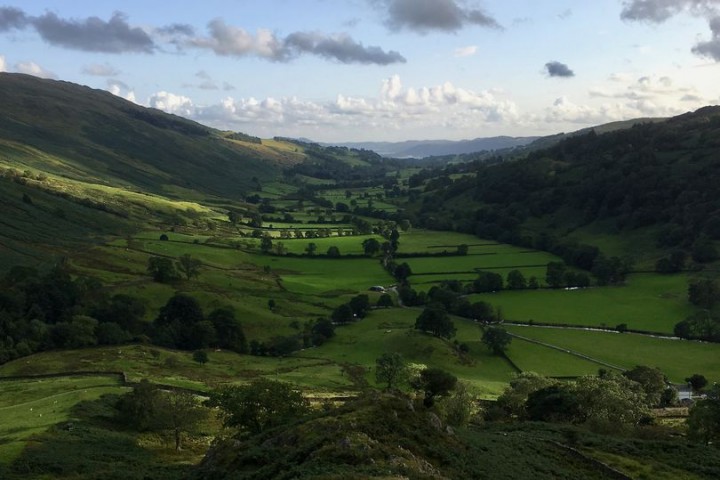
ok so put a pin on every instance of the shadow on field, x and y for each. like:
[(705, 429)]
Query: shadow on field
[(92, 446)]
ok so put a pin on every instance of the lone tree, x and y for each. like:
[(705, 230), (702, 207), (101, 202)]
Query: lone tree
[(371, 246), (162, 269), (189, 266), (497, 339), (435, 320), (697, 382), (260, 405), (147, 408), (434, 382), (391, 369)]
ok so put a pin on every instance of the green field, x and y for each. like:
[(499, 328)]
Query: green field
[(419, 240), (530, 357), (647, 302), (328, 276), (29, 407), (678, 359)]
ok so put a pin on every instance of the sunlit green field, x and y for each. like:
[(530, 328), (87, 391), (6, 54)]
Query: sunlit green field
[(648, 302), (328, 276), (549, 362), (678, 359)]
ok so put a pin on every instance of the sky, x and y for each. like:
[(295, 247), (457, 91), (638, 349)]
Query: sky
[(379, 70)]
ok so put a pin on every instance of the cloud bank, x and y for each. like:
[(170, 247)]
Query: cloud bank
[(396, 108), (228, 40), (117, 36)]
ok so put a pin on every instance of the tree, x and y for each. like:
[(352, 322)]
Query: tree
[(360, 305), (260, 405), (322, 330), (371, 246), (176, 324), (391, 369), (342, 314), (189, 266), (162, 269), (311, 248), (516, 280), (704, 419), (177, 413), (200, 356), (482, 312), (556, 403), (266, 244), (229, 331), (703, 293), (697, 382), (652, 380), (333, 252), (402, 272), (462, 249), (488, 282), (434, 382), (514, 399), (496, 339), (436, 321), (611, 401), (385, 301), (555, 274)]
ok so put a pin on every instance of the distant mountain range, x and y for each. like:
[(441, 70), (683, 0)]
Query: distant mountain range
[(435, 148)]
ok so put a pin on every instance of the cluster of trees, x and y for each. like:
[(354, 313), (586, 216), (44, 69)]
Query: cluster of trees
[(357, 308), (450, 297), (43, 311), (165, 270), (432, 383), (182, 324), (608, 401), (311, 334)]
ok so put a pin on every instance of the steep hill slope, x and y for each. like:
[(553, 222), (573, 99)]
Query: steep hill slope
[(78, 164), (94, 135), (660, 178)]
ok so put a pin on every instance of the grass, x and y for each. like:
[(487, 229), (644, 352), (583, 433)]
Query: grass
[(392, 331), (678, 359), (29, 407), (328, 276), (647, 302), (530, 357)]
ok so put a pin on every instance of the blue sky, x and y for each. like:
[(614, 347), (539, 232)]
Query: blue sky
[(356, 70)]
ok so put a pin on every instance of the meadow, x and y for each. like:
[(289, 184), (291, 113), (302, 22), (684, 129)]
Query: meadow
[(29, 407), (678, 359), (648, 302)]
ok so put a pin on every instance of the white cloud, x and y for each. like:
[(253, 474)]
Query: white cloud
[(2, 63), (32, 68), (172, 103), (122, 90), (468, 51)]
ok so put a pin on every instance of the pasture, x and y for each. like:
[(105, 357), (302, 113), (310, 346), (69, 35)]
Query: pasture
[(29, 407), (648, 302), (678, 359), (531, 357)]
